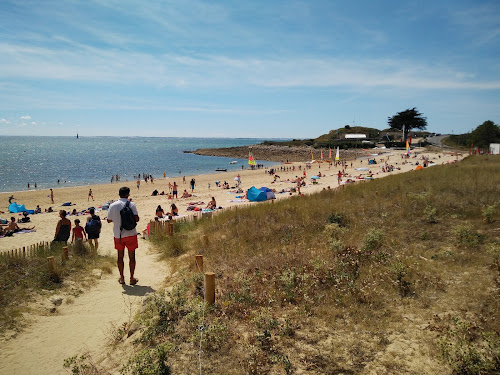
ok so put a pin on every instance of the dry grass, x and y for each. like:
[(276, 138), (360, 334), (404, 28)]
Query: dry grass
[(374, 277), (23, 279)]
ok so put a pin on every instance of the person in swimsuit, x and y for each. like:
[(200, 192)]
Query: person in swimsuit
[(174, 193), (175, 210), (63, 229), (159, 211), (91, 195)]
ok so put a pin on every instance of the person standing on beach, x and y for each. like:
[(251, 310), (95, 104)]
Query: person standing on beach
[(138, 184), (93, 228), (52, 196), (192, 182), (11, 198), (174, 193), (91, 195), (119, 214)]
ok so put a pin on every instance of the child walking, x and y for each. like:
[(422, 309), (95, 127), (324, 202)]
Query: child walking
[(78, 233)]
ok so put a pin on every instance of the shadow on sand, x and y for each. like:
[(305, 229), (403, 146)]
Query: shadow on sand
[(137, 290)]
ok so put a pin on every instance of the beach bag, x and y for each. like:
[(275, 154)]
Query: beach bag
[(93, 227), (128, 218)]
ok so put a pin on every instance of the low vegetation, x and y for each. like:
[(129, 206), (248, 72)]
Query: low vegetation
[(394, 275), (25, 280)]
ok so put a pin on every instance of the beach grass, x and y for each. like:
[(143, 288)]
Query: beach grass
[(400, 274), (27, 281)]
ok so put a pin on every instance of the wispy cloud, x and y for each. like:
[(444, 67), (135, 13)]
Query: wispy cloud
[(25, 117), (4, 121), (91, 64)]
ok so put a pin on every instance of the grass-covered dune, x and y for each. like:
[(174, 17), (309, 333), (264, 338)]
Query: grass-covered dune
[(398, 275)]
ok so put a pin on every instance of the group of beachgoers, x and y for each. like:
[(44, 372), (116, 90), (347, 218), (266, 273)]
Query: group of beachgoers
[(91, 231)]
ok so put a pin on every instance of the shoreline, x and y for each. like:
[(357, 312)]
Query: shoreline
[(205, 189)]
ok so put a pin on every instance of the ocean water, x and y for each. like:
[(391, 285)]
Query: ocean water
[(92, 160)]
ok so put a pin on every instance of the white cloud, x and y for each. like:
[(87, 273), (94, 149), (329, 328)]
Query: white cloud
[(4, 121), (33, 123), (25, 117), (89, 64)]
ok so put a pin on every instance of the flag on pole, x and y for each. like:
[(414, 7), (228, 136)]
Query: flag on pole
[(330, 153), (337, 157), (322, 153), (312, 156), (407, 147)]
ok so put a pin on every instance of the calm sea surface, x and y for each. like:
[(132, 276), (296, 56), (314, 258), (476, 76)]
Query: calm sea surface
[(92, 160)]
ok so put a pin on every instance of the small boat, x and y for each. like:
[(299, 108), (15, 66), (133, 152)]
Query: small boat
[(233, 162), (220, 169)]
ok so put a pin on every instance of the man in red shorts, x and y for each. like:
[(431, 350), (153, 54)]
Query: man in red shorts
[(124, 238)]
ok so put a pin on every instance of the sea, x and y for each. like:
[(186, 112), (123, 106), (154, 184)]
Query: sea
[(93, 160)]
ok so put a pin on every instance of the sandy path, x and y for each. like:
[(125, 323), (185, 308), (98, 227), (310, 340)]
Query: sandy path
[(82, 325)]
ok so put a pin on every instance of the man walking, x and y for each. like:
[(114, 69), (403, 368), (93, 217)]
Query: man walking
[(124, 216)]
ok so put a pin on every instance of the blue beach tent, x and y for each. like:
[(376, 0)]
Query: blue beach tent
[(259, 195), (14, 207)]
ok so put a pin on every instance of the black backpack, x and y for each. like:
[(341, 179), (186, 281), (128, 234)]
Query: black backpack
[(93, 226), (128, 218)]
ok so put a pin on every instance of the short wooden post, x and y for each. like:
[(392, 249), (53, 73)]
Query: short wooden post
[(12, 253), (170, 229), (210, 288), (199, 263), (51, 265), (65, 253), (16, 254), (24, 251), (195, 217)]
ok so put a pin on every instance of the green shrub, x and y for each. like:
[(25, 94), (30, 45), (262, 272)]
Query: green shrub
[(149, 362), (469, 352), (335, 233), (467, 236), (489, 214), (430, 214), (373, 240)]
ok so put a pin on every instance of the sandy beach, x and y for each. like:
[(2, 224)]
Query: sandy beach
[(85, 324), (205, 188)]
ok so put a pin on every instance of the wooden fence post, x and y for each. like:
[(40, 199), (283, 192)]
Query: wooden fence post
[(24, 251), (51, 265), (199, 263), (210, 288), (65, 254)]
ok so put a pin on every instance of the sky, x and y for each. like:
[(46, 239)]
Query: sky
[(255, 68)]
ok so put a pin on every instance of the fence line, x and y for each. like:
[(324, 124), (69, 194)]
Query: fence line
[(27, 251)]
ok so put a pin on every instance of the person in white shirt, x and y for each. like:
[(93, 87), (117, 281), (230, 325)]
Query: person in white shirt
[(124, 238)]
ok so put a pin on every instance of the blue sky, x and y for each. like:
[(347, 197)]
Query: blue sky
[(245, 68)]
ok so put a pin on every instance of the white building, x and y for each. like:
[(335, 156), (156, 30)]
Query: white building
[(495, 148), (355, 136)]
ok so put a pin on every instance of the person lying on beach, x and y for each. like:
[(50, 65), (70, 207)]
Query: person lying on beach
[(14, 228), (212, 204), (185, 194)]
